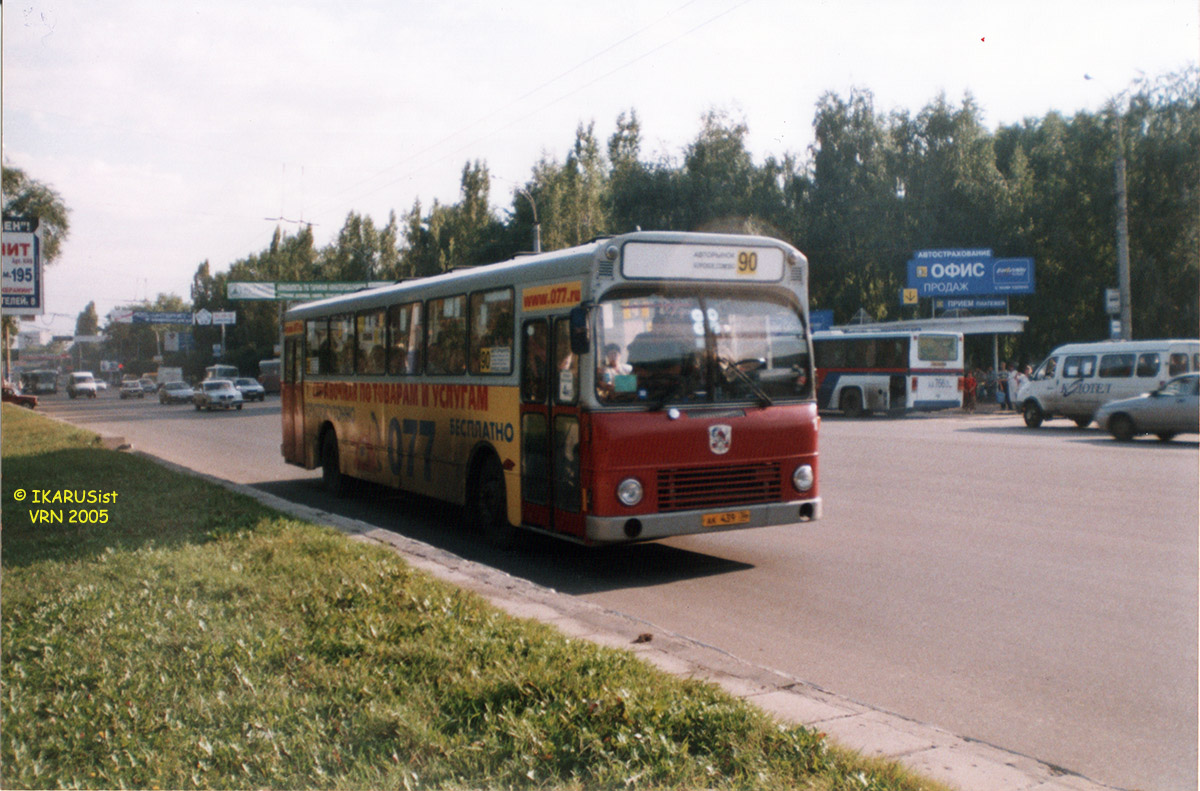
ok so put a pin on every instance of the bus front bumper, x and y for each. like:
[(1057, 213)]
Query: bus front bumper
[(645, 527)]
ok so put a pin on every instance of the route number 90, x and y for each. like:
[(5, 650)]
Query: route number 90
[(747, 262)]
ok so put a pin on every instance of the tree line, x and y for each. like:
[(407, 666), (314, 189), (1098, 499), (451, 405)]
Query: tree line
[(874, 187)]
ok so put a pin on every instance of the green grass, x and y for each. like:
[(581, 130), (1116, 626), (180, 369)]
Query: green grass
[(200, 640)]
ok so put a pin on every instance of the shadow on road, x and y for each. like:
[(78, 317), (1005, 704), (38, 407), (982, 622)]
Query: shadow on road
[(547, 561)]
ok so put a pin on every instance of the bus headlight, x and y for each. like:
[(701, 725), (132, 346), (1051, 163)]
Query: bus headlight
[(802, 477), (629, 491)]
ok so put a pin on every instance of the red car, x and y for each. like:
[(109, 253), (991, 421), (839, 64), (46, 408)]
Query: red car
[(11, 396)]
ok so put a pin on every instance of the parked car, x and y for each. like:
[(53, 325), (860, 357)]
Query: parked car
[(132, 388), (12, 396), (1172, 409), (250, 389), (176, 393), (217, 394), (82, 384)]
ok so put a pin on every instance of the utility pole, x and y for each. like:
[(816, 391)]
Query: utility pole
[(1123, 239)]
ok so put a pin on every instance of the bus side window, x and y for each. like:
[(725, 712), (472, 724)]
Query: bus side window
[(371, 341), (491, 332), (1178, 364), (446, 347), (404, 339), (341, 344), (534, 344), (1148, 364), (319, 360)]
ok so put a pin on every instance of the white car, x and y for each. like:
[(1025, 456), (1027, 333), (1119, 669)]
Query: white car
[(217, 394), (250, 389), (1172, 409), (176, 392)]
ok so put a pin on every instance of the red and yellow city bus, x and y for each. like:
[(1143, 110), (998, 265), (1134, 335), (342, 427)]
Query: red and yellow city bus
[(636, 387)]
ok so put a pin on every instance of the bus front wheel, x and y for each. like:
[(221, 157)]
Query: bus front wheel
[(489, 505)]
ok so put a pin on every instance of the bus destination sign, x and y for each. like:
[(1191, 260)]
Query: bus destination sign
[(702, 262)]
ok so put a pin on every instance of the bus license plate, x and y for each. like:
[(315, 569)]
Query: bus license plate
[(725, 519)]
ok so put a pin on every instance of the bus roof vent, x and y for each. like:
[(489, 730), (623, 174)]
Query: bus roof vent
[(604, 269)]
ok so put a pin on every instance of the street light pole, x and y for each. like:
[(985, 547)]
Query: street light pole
[(537, 228)]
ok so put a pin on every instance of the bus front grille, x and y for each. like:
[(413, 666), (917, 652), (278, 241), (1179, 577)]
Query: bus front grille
[(718, 487)]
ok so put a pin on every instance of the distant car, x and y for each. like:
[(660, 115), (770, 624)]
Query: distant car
[(132, 388), (1172, 409), (101, 385), (82, 384), (149, 386), (217, 394), (176, 393), (250, 389), (11, 396)]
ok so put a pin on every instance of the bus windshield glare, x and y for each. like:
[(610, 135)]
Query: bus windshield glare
[(657, 346)]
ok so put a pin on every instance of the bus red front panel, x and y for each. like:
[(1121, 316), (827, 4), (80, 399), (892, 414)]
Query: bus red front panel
[(701, 460)]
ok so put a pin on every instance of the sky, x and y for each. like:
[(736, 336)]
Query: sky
[(179, 132)]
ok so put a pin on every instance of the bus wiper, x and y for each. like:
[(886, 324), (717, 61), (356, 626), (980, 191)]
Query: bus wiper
[(732, 367)]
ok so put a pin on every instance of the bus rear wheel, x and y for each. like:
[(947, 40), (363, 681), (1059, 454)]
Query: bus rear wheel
[(331, 471), (488, 505), (851, 403)]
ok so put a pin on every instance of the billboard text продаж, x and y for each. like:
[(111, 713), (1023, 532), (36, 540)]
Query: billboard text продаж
[(961, 273)]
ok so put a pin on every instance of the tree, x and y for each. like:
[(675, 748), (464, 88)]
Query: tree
[(88, 322), (855, 215), (718, 174), (28, 197)]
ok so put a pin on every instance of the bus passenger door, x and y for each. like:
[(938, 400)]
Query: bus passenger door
[(550, 463), (291, 396)]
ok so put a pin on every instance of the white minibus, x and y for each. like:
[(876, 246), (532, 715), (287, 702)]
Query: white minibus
[(1078, 378)]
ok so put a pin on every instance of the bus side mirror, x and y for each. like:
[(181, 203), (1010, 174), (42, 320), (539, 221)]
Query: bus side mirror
[(581, 342)]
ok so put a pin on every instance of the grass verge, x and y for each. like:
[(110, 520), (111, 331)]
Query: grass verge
[(200, 640)]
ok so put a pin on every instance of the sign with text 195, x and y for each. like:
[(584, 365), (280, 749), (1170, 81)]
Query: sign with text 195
[(21, 265)]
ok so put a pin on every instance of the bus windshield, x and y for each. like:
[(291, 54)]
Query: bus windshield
[(656, 347)]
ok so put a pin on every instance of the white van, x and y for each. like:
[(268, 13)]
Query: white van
[(82, 384), (1078, 378)]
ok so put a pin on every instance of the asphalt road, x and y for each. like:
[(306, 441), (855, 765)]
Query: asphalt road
[(1035, 590)]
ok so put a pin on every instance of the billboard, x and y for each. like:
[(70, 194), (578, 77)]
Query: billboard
[(21, 265), (968, 273)]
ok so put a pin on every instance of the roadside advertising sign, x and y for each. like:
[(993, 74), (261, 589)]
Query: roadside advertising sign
[(970, 272), (297, 291), (166, 317), (21, 265)]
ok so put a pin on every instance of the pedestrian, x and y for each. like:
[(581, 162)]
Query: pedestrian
[(1011, 382), (1022, 376), (969, 385)]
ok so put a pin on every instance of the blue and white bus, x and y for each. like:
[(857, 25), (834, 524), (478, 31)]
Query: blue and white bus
[(860, 372)]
